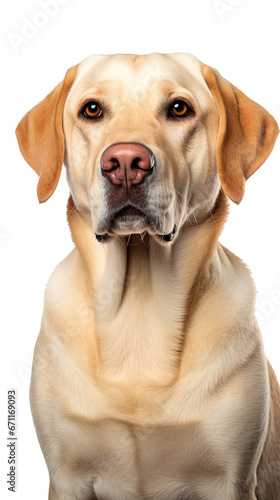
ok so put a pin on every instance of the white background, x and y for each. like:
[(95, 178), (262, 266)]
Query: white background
[(238, 37)]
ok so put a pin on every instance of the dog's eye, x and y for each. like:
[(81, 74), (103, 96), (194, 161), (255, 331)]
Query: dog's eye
[(91, 110), (179, 109)]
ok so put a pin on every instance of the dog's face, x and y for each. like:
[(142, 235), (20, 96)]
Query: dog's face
[(140, 143), (147, 140)]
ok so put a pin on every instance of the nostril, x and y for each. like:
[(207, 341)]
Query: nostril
[(135, 163), (113, 165)]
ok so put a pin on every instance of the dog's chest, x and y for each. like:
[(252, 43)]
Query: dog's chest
[(124, 462), (140, 344)]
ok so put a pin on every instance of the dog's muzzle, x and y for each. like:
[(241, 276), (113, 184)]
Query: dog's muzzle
[(128, 167)]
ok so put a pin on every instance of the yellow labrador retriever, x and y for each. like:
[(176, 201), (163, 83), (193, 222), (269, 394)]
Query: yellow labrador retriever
[(149, 377)]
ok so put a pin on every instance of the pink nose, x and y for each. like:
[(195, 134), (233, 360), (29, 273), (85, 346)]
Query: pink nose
[(127, 164)]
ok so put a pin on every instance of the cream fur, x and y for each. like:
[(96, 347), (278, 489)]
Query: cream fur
[(149, 377)]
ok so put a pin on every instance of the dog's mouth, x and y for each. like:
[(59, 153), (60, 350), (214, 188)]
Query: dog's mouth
[(167, 238), (128, 211), (130, 219)]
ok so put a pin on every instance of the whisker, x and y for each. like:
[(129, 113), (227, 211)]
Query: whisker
[(194, 216), (72, 210), (183, 210), (211, 213)]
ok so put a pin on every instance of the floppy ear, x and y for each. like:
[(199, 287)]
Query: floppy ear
[(247, 133), (40, 136)]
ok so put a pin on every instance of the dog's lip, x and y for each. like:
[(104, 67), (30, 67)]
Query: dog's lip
[(169, 236), (128, 210), (129, 213), (164, 238)]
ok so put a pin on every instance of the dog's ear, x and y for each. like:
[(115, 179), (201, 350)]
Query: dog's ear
[(247, 133), (40, 136)]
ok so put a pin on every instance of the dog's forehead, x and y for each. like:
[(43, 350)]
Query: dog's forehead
[(132, 71)]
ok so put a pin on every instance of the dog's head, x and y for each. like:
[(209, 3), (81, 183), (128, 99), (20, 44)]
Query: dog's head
[(148, 141)]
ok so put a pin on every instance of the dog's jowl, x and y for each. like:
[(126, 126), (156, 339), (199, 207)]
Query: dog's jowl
[(149, 376)]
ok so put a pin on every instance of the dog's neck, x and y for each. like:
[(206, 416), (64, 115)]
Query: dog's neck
[(144, 293)]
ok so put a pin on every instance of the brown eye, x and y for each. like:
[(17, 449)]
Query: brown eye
[(92, 110), (179, 109)]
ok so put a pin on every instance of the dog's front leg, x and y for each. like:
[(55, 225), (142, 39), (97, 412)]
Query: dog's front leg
[(52, 494)]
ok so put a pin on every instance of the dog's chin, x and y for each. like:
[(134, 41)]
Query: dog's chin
[(130, 220), (131, 224), (125, 225)]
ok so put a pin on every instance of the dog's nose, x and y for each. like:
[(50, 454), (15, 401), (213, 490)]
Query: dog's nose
[(127, 164)]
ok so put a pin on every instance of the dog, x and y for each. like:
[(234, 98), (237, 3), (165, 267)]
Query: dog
[(149, 377)]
